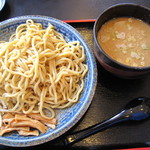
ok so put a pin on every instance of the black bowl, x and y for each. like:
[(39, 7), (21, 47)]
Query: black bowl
[(114, 67)]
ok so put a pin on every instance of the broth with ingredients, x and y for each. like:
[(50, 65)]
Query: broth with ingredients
[(126, 40)]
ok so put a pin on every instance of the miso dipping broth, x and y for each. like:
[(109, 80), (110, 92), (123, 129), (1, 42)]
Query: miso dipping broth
[(126, 40)]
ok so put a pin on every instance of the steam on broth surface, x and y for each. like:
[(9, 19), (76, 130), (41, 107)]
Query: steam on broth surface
[(126, 40)]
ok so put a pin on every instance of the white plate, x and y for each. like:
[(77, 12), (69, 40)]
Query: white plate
[(2, 3)]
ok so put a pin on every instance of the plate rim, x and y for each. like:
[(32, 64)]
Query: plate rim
[(2, 4)]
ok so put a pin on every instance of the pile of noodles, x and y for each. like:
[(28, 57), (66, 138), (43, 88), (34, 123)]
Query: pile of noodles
[(40, 71)]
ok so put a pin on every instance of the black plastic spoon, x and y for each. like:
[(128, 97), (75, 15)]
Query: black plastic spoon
[(137, 109)]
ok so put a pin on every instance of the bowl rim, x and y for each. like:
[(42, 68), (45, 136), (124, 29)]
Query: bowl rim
[(89, 96), (2, 4), (132, 68)]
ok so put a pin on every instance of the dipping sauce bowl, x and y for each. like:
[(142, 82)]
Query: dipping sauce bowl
[(111, 65)]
